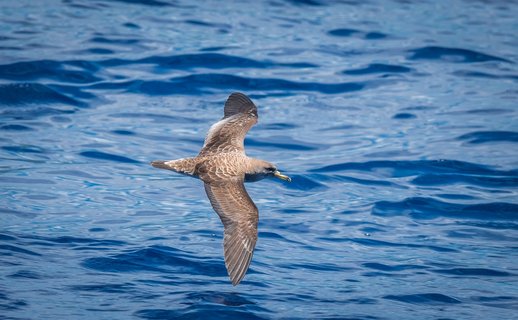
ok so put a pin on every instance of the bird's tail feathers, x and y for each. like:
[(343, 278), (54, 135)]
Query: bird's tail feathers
[(185, 166)]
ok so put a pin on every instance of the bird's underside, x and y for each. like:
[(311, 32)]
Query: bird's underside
[(222, 166)]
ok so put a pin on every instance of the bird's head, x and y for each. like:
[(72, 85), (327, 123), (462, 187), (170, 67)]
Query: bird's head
[(262, 169)]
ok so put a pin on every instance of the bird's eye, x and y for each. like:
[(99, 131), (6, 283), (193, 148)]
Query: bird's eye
[(270, 169)]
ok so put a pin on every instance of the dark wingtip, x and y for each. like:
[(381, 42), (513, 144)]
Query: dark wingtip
[(238, 102), (236, 280)]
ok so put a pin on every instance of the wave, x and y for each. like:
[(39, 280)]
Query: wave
[(417, 167), (152, 3), (67, 72), (378, 68), (15, 127), (426, 172), (105, 287), (204, 60), (154, 117), (424, 298), (199, 312), (23, 149), (381, 243), (19, 180), (478, 137), (474, 272), (196, 84), (74, 241), (10, 250), (158, 259), (35, 93), (21, 214), (393, 268), (312, 3), (450, 178), (83, 72), (428, 208), (367, 182), (452, 55), (107, 156), (344, 32), (45, 241), (484, 75), (404, 115)]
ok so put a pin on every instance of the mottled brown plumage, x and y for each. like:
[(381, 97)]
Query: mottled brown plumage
[(224, 167)]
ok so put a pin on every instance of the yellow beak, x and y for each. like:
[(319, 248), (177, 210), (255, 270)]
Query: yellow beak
[(279, 175)]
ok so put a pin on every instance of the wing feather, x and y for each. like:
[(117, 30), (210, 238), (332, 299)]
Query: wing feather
[(237, 103), (240, 216), (228, 134)]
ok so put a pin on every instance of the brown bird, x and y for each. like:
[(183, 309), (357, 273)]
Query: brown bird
[(223, 166)]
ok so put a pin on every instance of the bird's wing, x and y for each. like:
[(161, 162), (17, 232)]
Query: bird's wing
[(228, 134), (239, 215)]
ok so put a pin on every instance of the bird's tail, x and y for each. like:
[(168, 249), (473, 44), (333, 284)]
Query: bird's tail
[(185, 166)]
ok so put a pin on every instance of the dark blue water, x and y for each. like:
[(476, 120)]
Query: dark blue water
[(397, 121)]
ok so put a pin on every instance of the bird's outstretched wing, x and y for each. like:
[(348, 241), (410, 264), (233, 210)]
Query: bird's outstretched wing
[(240, 216), (228, 134)]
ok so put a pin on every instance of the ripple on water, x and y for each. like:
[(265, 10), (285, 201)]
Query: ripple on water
[(479, 137), (21, 214), (450, 179), (484, 75), (24, 149), (404, 115), (198, 312), (429, 208), (7, 303), (25, 274), (378, 68), (15, 127), (33, 93), (507, 302), (105, 287), (424, 298), (107, 156), (152, 3), (47, 69), (157, 259), (197, 84), (452, 55), (474, 272), (369, 35), (380, 243), (411, 168), (11, 250), (204, 60), (392, 268)]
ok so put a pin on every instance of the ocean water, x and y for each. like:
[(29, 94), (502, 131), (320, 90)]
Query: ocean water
[(397, 121)]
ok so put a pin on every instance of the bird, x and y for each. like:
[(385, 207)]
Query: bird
[(224, 167)]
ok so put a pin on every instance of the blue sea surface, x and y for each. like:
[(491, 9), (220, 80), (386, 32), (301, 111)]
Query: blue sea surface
[(397, 121)]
